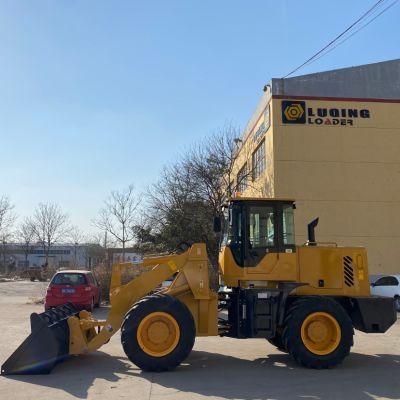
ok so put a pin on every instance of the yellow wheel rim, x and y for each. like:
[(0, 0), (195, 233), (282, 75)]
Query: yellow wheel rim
[(158, 334), (320, 333)]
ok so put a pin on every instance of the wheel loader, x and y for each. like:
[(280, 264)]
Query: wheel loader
[(305, 300)]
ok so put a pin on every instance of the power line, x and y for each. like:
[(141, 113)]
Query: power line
[(363, 16), (378, 3), (352, 34)]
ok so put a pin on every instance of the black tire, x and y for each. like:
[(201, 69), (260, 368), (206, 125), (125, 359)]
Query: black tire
[(90, 307), (32, 279), (292, 338), (97, 305), (278, 342), (397, 303), (152, 304)]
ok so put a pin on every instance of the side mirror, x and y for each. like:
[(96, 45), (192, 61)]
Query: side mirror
[(217, 224)]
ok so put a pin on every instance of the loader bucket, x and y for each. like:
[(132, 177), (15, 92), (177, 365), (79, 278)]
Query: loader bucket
[(47, 344)]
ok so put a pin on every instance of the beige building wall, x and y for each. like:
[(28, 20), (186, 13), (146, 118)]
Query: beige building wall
[(260, 129), (344, 170), (348, 176)]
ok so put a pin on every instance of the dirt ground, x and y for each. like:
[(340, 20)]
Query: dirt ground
[(218, 368)]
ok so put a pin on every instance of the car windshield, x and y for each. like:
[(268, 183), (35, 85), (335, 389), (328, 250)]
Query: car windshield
[(69, 279)]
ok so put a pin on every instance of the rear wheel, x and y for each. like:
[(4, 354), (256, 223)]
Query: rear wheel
[(318, 333), (90, 307), (278, 342), (158, 333), (97, 305)]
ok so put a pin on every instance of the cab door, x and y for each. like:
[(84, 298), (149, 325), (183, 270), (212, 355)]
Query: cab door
[(270, 248), (261, 233)]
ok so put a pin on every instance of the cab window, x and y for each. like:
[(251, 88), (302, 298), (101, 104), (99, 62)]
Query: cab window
[(261, 224), (233, 232), (288, 225)]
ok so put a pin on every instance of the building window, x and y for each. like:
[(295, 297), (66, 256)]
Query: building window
[(52, 252), (258, 159), (242, 179)]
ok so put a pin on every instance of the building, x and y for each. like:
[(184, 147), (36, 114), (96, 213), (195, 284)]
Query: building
[(19, 257), (117, 255), (331, 140)]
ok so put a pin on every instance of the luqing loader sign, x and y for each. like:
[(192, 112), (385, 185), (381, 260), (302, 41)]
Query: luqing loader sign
[(298, 112)]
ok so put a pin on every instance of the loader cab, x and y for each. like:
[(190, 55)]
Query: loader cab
[(252, 228)]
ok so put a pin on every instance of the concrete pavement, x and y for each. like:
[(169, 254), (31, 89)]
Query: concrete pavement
[(218, 368)]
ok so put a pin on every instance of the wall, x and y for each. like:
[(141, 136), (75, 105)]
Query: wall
[(348, 175), (60, 256), (259, 128)]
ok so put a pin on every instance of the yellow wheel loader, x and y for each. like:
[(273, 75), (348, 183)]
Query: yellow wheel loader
[(306, 300)]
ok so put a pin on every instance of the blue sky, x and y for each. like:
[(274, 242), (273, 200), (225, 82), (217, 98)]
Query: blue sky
[(95, 95)]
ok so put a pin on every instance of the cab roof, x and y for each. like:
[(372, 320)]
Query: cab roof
[(264, 199)]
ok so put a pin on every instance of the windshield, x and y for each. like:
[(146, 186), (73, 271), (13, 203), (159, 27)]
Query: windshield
[(262, 229), (69, 279)]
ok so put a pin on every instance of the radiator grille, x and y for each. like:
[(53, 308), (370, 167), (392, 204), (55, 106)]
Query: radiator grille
[(348, 271)]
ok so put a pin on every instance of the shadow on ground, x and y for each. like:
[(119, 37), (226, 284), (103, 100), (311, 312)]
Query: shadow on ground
[(210, 374)]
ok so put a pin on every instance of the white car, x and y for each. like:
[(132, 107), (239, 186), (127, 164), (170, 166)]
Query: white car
[(388, 286)]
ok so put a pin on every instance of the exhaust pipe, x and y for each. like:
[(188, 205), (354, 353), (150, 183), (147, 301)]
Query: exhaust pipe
[(311, 232)]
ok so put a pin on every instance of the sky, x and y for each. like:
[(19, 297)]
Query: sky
[(96, 95)]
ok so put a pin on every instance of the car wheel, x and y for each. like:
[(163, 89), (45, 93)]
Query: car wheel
[(397, 303), (97, 305), (91, 306)]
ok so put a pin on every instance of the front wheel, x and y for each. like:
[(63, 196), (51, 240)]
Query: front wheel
[(158, 333), (318, 333)]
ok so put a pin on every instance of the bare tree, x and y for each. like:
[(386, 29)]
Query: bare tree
[(96, 238), (26, 234), (95, 250), (50, 225), (77, 237), (214, 166), (189, 193), (7, 219), (118, 216)]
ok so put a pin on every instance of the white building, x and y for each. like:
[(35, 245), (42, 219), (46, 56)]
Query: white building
[(19, 256)]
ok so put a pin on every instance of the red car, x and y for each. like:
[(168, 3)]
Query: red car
[(78, 287)]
